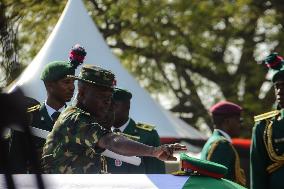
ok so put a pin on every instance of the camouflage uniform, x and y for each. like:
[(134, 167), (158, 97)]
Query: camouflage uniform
[(71, 145)]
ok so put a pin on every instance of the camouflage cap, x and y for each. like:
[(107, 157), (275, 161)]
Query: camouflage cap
[(96, 75), (57, 70), (202, 167), (121, 94)]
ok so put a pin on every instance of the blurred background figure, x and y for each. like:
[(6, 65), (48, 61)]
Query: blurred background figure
[(18, 113), (143, 133), (18, 152), (227, 121)]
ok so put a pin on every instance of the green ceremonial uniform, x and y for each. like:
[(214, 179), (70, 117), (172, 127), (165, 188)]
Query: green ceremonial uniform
[(219, 150), (145, 134), (71, 145), (267, 149), (45, 123), (42, 121)]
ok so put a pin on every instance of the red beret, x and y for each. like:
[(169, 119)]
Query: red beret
[(225, 108)]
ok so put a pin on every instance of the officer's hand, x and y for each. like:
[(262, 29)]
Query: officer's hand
[(165, 152)]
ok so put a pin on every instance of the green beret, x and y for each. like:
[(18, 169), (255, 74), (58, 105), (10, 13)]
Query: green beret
[(96, 75), (202, 167), (121, 95), (57, 70)]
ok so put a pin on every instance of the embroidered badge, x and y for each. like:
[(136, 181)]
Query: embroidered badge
[(117, 162)]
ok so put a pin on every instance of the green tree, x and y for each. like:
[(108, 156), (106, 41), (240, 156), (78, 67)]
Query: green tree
[(24, 26), (189, 48)]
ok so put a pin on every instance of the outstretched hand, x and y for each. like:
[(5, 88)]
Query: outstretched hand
[(165, 152)]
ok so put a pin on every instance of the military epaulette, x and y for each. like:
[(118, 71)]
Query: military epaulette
[(145, 126), (33, 108), (131, 136), (266, 115)]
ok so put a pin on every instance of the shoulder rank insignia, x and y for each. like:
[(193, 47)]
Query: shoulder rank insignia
[(33, 108), (266, 115), (145, 126), (131, 136)]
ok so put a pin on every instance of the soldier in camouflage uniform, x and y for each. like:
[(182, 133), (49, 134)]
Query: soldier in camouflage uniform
[(77, 138), (140, 132)]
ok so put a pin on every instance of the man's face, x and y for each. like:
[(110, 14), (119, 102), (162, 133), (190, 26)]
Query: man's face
[(98, 100), (62, 89), (234, 126), (279, 92), (121, 109)]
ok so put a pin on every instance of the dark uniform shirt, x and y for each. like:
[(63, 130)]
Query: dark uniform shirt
[(267, 159), (145, 134), (71, 145)]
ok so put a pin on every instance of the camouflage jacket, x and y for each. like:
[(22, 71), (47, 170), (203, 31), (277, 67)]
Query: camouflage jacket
[(71, 145)]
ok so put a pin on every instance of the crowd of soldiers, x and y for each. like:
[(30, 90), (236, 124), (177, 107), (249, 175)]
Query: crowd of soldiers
[(99, 119)]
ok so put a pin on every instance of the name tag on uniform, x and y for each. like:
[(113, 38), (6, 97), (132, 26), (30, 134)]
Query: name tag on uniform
[(117, 162)]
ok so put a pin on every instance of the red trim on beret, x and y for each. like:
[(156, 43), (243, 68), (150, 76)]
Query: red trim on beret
[(186, 165), (225, 108)]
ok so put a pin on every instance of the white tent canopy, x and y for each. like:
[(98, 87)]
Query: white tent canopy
[(76, 26)]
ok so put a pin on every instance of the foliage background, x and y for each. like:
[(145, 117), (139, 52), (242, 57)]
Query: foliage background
[(188, 54)]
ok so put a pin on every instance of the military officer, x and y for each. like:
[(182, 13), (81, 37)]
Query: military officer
[(77, 138), (218, 148), (140, 132), (59, 89), (267, 147)]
